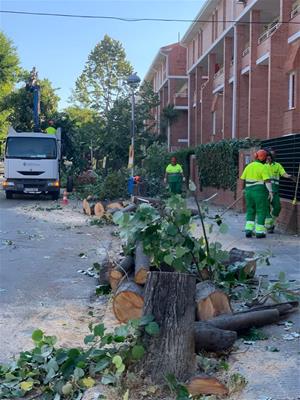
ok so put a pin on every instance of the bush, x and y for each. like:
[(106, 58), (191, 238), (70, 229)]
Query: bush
[(218, 163)]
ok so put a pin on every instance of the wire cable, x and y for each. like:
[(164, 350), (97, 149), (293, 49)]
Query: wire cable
[(123, 19)]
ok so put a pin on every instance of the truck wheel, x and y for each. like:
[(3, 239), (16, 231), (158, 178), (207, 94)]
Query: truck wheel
[(55, 195), (70, 184), (8, 194)]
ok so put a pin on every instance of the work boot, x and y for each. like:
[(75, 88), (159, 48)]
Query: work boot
[(260, 235), (271, 229), (248, 234)]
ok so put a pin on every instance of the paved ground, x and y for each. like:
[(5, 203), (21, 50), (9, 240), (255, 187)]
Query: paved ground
[(40, 243), (270, 375)]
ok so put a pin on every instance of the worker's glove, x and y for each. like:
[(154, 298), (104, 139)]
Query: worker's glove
[(183, 179), (271, 196), (165, 180)]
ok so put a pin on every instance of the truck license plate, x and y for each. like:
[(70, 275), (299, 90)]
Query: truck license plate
[(31, 190)]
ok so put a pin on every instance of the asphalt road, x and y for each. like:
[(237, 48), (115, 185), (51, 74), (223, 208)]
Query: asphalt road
[(40, 287)]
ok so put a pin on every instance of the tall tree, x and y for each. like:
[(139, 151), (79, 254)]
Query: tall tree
[(9, 70), (102, 80), (20, 103)]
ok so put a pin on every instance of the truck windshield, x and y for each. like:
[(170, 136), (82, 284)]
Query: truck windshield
[(31, 148)]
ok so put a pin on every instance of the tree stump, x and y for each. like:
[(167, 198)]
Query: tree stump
[(170, 298)]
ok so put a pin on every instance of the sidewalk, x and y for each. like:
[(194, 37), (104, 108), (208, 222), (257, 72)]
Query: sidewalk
[(271, 374), (284, 249)]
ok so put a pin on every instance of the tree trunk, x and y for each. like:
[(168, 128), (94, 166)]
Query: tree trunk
[(203, 384), (170, 298), (209, 338), (283, 308), (141, 264), (150, 200), (243, 321), (113, 205), (125, 267), (128, 301), (211, 301)]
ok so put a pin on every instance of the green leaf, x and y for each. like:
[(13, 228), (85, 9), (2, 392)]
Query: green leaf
[(99, 330), (281, 276), (168, 259), (26, 386), (146, 319), (223, 228), (37, 335), (152, 328), (137, 352), (117, 361), (126, 395), (88, 382), (121, 331), (78, 373), (102, 364), (181, 251), (89, 339), (50, 375), (108, 379)]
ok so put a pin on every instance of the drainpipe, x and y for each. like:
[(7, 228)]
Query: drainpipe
[(234, 94)]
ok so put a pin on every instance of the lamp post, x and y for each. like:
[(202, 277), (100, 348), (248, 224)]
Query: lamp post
[(133, 82)]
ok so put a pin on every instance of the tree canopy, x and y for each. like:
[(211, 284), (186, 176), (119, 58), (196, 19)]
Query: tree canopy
[(102, 80)]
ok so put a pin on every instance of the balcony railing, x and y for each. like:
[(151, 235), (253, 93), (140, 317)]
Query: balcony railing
[(181, 99), (295, 11), (271, 29), (246, 51)]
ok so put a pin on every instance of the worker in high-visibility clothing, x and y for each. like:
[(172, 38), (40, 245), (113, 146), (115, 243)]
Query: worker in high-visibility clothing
[(276, 171), (174, 176), (51, 130), (258, 189)]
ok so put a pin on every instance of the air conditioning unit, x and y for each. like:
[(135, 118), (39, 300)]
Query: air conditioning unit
[(241, 2)]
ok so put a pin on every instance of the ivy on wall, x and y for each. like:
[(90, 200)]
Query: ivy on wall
[(218, 162)]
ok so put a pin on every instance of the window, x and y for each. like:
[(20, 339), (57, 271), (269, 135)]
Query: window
[(214, 122), (292, 90), (31, 148)]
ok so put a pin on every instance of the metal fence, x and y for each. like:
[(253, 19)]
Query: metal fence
[(288, 154)]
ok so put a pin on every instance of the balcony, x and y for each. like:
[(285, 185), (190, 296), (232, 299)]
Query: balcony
[(181, 99), (218, 78), (295, 11), (246, 52), (271, 28)]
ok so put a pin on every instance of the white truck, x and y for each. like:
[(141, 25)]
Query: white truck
[(32, 163)]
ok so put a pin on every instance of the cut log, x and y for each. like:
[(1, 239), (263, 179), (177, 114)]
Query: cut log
[(203, 384), (150, 200), (209, 338), (86, 207), (242, 321), (99, 210), (211, 301), (128, 301), (170, 298), (141, 264), (104, 271), (129, 208), (283, 308), (93, 207), (125, 267), (114, 205)]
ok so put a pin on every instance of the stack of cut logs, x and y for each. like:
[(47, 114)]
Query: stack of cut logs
[(216, 325), (93, 206)]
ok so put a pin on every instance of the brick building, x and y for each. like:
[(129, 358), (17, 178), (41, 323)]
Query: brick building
[(167, 75), (242, 79), (243, 67)]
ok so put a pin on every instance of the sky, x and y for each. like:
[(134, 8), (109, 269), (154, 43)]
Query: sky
[(59, 47)]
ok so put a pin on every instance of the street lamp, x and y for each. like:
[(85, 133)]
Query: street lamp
[(133, 82)]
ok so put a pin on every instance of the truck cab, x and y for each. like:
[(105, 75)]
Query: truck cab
[(32, 163)]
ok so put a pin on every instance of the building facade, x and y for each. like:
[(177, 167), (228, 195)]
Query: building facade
[(168, 78), (243, 67)]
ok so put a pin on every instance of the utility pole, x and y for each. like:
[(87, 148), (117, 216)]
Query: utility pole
[(133, 81)]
